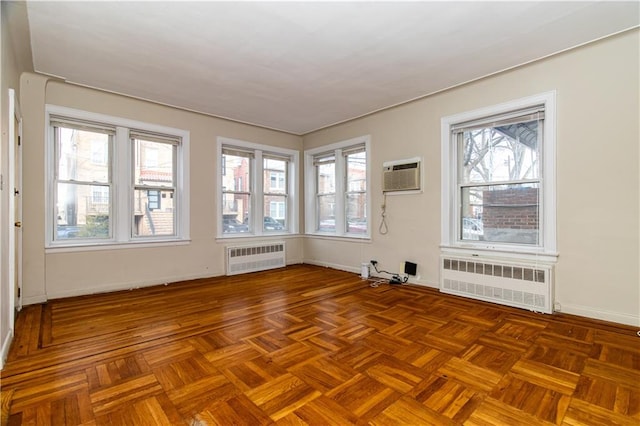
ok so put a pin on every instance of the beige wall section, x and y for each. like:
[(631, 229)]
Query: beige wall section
[(59, 273), (598, 177)]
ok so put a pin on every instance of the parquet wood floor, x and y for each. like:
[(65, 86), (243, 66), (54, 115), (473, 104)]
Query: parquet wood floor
[(310, 345)]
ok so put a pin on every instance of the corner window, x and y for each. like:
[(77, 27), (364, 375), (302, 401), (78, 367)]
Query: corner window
[(102, 188), (498, 177), (337, 201), (258, 188)]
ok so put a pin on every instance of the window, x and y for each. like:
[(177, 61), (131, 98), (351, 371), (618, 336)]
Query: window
[(275, 195), (258, 188), (498, 177), (337, 189), (102, 188)]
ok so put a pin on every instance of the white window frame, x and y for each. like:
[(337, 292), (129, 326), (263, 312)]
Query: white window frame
[(256, 199), (450, 243), (311, 207), (122, 182)]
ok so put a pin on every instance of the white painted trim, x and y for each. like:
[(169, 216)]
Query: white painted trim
[(310, 188), (256, 168), (548, 180), (354, 269), (122, 180), (11, 234), (346, 238), (590, 312), (117, 246), (6, 345), (499, 253), (34, 300)]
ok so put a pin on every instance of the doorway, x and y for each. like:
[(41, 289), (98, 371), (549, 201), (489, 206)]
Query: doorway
[(15, 207)]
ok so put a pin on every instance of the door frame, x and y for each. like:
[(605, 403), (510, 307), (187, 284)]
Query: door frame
[(15, 204)]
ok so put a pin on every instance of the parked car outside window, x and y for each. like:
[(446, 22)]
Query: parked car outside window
[(230, 225)]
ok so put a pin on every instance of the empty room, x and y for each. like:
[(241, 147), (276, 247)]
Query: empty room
[(321, 213)]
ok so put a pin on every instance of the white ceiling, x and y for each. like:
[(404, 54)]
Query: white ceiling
[(301, 66)]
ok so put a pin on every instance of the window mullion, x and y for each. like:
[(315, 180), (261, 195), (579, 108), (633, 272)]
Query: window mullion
[(257, 188), (122, 172), (340, 192)]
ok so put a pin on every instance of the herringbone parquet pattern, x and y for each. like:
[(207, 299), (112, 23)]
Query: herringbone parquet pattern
[(309, 345)]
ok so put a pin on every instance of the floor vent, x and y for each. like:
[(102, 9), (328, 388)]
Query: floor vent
[(524, 286), (257, 257)]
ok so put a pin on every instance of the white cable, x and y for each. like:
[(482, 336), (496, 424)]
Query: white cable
[(376, 281), (384, 229)]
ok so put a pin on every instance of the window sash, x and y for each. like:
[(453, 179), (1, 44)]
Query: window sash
[(512, 117)]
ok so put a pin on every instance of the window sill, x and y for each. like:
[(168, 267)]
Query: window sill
[(502, 252), (80, 247), (363, 238), (248, 236)]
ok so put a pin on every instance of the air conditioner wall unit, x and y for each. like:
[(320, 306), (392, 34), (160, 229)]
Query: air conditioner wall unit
[(401, 175)]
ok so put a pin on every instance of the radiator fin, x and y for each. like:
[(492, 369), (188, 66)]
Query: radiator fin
[(259, 257), (518, 285)]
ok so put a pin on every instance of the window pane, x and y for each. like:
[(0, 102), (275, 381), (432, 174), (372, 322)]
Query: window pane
[(275, 213), (82, 211), (501, 213), (154, 163), (154, 213), (235, 213), (501, 153), (356, 216), (275, 177), (82, 155), (357, 171), (235, 176), (326, 213), (326, 178)]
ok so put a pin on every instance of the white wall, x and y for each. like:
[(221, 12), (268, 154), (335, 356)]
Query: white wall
[(597, 273), (58, 273)]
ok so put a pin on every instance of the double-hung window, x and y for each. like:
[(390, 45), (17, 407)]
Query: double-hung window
[(498, 177), (337, 188), (258, 189), (113, 180)]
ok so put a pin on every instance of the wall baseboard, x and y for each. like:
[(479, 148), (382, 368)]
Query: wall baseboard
[(6, 344), (589, 312), (34, 300), (332, 265), (108, 288)]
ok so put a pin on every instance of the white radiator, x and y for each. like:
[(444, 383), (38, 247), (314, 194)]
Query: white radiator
[(255, 257), (527, 286)]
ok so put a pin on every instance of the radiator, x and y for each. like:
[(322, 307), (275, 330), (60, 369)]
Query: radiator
[(527, 286), (255, 257)]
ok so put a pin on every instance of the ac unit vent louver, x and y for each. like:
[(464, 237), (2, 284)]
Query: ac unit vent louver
[(401, 177)]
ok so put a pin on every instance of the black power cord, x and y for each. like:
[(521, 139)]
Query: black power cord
[(395, 278)]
